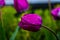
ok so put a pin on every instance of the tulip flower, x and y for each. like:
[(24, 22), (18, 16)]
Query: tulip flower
[(21, 5), (2, 3), (56, 13), (31, 22)]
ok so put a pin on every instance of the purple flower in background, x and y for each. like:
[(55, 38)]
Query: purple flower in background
[(56, 13), (21, 5), (30, 22), (2, 3)]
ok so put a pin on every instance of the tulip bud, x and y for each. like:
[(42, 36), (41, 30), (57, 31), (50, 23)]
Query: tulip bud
[(30, 22), (56, 13)]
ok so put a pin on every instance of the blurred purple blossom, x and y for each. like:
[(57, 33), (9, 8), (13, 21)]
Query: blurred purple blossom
[(56, 13), (21, 5)]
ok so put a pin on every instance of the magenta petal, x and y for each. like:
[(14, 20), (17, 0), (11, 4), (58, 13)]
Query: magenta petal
[(31, 22)]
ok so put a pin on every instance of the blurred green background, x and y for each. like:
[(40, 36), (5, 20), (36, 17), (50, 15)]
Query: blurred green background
[(10, 23)]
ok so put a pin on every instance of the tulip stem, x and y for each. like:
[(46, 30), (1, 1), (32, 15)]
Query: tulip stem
[(49, 4), (51, 31)]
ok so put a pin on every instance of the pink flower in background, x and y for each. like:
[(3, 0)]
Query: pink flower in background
[(21, 5), (2, 3), (30, 22), (56, 13)]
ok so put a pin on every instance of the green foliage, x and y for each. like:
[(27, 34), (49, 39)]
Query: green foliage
[(10, 24)]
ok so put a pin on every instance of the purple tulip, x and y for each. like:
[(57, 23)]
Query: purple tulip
[(30, 22), (56, 13), (21, 5), (2, 3)]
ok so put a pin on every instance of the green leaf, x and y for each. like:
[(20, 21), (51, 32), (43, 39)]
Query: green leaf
[(14, 34), (2, 33), (58, 34)]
